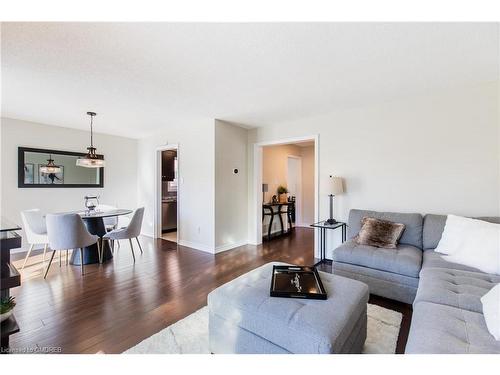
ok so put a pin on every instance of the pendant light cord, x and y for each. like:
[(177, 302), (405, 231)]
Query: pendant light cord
[(91, 131)]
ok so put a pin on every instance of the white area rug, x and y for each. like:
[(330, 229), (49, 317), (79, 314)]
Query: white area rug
[(190, 335)]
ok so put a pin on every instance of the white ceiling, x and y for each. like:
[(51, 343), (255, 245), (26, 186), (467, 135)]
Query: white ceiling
[(140, 77)]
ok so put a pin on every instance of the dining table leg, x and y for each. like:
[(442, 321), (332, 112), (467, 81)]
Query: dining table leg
[(95, 225)]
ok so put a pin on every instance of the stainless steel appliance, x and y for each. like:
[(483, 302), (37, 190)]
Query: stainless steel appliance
[(169, 214)]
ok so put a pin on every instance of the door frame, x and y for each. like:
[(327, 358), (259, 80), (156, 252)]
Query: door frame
[(255, 236), (298, 195), (158, 201)]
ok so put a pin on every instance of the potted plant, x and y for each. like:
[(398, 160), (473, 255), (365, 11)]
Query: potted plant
[(282, 193), (6, 307)]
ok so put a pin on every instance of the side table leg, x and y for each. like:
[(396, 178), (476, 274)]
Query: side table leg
[(323, 256)]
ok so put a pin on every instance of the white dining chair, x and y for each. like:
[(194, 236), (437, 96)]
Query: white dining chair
[(36, 231), (67, 231), (133, 230)]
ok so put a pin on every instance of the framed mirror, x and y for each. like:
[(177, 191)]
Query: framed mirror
[(40, 168)]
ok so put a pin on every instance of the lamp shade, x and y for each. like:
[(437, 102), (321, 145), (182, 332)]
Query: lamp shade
[(265, 188), (336, 185)]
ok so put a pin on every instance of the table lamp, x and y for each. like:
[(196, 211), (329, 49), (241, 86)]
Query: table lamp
[(336, 187), (265, 188)]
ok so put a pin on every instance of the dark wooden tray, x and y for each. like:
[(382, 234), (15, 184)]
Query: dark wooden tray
[(297, 282)]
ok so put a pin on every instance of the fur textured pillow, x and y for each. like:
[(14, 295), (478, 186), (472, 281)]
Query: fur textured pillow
[(379, 233)]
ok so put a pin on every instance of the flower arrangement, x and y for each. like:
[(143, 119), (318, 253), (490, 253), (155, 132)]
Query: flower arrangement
[(282, 193)]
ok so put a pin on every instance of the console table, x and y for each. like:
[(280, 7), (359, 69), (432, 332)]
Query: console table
[(9, 277), (271, 212), (323, 226)]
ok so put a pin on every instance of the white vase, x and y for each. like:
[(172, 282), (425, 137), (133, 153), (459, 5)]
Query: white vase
[(6, 315)]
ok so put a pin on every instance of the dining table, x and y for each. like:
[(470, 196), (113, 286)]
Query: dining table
[(94, 221)]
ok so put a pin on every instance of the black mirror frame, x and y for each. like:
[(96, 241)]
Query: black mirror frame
[(20, 169)]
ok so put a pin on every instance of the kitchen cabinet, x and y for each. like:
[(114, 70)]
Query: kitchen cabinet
[(168, 165)]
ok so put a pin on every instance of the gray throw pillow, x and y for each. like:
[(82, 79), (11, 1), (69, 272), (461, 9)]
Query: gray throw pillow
[(379, 233)]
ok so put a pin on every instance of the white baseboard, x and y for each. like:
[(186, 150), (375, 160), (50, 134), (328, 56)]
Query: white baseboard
[(303, 225), (197, 246), (203, 247), (229, 246)]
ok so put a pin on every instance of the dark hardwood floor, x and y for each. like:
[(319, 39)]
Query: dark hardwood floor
[(118, 304)]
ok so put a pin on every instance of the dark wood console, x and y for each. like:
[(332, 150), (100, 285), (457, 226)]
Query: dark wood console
[(9, 277)]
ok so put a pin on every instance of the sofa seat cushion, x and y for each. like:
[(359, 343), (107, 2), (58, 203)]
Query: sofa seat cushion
[(461, 289), (404, 260), (445, 329), (436, 260), (296, 325)]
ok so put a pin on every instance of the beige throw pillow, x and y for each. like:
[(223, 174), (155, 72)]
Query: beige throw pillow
[(379, 233)]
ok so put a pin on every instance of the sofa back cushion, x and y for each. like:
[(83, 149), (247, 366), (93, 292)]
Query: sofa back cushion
[(434, 226), (412, 234)]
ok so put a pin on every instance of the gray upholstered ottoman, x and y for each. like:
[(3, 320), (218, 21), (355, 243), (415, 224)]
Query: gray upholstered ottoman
[(243, 318)]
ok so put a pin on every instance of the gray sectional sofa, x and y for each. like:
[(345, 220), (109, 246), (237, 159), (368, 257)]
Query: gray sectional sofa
[(447, 311)]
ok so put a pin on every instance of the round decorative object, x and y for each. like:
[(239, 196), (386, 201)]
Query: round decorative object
[(6, 315)]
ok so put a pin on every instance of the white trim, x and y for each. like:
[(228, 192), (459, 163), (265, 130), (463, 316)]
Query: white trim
[(303, 225), (157, 213), (197, 246), (229, 246), (298, 193), (286, 141), (256, 237)]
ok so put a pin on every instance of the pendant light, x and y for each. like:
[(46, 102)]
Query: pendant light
[(50, 167), (91, 160)]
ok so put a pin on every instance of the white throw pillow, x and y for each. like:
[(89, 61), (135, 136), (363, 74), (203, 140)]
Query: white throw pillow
[(471, 242), (452, 237), (491, 311)]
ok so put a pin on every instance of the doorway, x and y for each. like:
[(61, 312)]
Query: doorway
[(292, 164), (167, 193)]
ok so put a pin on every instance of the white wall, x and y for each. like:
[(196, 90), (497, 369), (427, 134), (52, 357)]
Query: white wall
[(120, 174), (231, 190), (195, 202), (437, 153)]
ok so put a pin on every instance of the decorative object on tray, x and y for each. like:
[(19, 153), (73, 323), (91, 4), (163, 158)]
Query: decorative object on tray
[(379, 233), (282, 194), (336, 188), (297, 282), (6, 308)]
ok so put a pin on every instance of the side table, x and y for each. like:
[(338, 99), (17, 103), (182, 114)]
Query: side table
[(323, 227)]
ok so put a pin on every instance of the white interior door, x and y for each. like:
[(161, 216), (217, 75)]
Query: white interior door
[(294, 184)]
